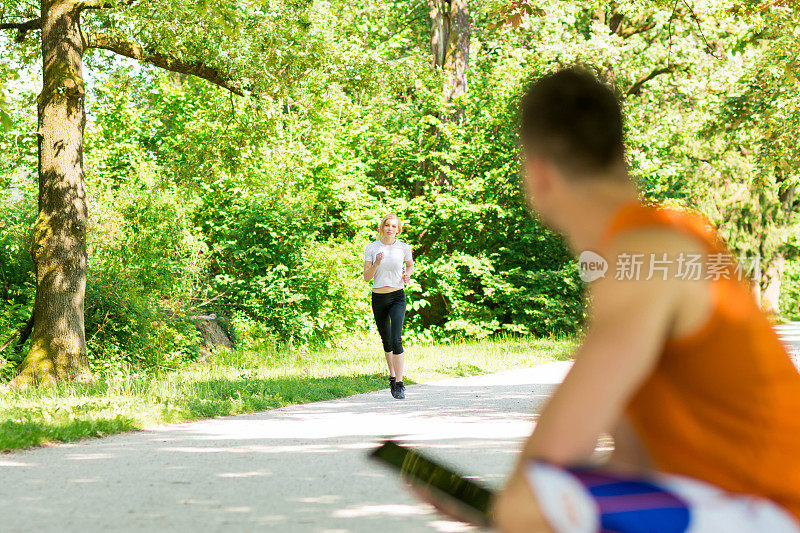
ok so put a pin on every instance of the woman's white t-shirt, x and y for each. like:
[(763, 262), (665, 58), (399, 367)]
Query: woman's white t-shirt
[(390, 271)]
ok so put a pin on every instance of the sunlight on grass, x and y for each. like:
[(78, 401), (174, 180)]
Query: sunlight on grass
[(233, 382)]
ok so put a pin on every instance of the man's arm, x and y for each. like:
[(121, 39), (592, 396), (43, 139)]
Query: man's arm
[(630, 320), (629, 454)]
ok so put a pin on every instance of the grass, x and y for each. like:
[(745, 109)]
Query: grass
[(233, 382)]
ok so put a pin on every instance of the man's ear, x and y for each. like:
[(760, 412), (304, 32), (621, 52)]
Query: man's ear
[(540, 176)]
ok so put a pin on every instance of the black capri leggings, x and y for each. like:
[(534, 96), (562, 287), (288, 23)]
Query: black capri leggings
[(389, 310)]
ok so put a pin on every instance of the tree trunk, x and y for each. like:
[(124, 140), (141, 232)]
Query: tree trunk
[(770, 298), (450, 37), (58, 344), (755, 289), (214, 337), (439, 11), (460, 52)]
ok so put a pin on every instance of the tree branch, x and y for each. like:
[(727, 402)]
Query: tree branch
[(637, 85), (103, 4), (22, 27), (709, 46), (618, 23), (5, 282), (26, 330), (134, 50), (10, 340), (642, 24), (23, 331)]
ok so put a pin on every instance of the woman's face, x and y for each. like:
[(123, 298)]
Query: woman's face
[(390, 227)]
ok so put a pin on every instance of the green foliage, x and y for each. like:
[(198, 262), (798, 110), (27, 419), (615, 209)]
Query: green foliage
[(790, 290), (17, 284), (12, 316), (144, 261), (270, 262), (258, 207)]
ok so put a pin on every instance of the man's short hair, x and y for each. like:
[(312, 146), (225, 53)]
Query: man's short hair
[(573, 120)]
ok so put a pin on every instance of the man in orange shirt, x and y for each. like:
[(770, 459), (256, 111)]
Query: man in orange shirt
[(677, 363)]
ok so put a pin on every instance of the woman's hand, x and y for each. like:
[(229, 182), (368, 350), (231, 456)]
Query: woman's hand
[(378, 257), (406, 278)]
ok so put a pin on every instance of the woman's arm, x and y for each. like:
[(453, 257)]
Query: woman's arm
[(370, 268), (409, 271), (409, 260)]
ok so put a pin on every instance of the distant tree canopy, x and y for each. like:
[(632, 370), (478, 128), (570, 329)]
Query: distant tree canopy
[(234, 158)]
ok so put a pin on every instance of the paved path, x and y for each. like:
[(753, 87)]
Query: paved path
[(297, 469), (789, 333)]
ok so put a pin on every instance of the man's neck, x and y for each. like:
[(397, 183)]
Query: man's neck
[(590, 211)]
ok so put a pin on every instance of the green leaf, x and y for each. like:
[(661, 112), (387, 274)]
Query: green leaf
[(6, 122)]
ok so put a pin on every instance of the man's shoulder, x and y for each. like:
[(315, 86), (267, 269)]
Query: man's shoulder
[(673, 223), (654, 264), (658, 239), (661, 270)]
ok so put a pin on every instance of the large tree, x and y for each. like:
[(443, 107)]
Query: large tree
[(450, 37), (241, 47), (449, 44)]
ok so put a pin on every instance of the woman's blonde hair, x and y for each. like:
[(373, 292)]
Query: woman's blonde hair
[(383, 221)]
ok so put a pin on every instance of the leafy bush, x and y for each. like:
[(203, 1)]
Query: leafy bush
[(144, 266), (485, 265), (258, 208), (17, 284), (270, 265), (790, 290)]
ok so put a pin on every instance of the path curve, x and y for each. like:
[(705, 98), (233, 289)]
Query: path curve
[(297, 469)]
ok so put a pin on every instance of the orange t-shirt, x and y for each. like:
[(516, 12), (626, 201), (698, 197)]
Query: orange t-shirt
[(723, 403)]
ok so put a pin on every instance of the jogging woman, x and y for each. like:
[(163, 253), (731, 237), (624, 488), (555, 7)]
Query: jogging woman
[(383, 264)]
